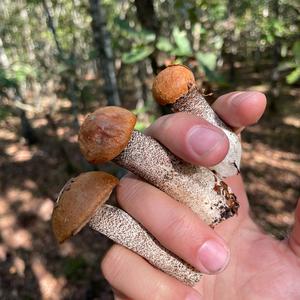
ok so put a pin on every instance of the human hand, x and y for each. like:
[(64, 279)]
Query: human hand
[(260, 267)]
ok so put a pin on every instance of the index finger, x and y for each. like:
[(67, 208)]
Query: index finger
[(240, 109), (190, 138)]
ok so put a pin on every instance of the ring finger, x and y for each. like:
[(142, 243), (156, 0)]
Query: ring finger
[(174, 225), (135, 278)]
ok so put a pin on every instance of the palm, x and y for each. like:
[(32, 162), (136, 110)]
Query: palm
[(261, 267)]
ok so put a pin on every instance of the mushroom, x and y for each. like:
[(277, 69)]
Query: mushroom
[(82, 201), (107, 134), (176, 86)]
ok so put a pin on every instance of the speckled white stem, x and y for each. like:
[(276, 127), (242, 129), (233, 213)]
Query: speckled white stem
[(197, 187), (120, 227), (193, 102)]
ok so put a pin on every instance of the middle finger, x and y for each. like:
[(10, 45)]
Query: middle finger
[(174, 225)]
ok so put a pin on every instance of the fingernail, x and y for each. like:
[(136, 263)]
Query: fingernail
[(193, 296), (203, 139), (213, 256)]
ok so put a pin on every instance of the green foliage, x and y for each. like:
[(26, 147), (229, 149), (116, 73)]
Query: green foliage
[(142, 42), (200, 30), (6, 82), (296, 52), (164, 45), (183, 46), (294, 76), (140, 36), (137, 54), (178, 45), (140, 124), (208, 64), (20, 72), (207, 60)]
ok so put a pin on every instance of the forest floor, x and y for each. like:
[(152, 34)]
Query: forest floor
[(34, 266)]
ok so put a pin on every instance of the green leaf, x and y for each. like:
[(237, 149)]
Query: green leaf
[(287, 65), (209, 60), (6, 82), (163, 44), (140, 126), (137, 54), (294, 76), (21, 71), (208, 63), (182, 43), (141, 36), (296, 51)]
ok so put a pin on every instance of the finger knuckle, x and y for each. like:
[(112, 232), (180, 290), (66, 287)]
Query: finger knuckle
[(165, 124), (161, 290), (113, 264), (128, 189), (178, 225)]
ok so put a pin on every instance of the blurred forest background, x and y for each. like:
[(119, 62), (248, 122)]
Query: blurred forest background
[(60, 59)]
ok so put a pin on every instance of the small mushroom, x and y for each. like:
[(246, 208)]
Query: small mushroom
[(176, 86), (107, 134), (82, 201)]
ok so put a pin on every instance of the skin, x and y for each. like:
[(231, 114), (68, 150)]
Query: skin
[(259, 267)]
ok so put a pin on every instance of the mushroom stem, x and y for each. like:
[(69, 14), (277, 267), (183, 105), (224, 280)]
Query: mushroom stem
[(176, 87), (107, 134), (82, 201), (120, 227), (194, 103), (197, 187)]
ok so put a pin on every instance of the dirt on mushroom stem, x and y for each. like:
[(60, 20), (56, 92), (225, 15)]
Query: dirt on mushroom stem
[(192, 185), (147, 158)]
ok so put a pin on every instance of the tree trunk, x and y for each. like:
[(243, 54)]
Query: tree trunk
[(276, 59), (149, 21), (52, 28), (105, 60), (26, 129), (227, 51)]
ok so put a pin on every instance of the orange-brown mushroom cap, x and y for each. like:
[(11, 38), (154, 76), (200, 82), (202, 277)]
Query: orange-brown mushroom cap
[(105, 133), (78, 201), (172, 83)]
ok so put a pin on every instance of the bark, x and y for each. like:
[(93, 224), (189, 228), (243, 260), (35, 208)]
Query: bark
[(149, 21), (105, 60), (227, 51), (52, 28), (27, 33), (276, 59), (26, 129)]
